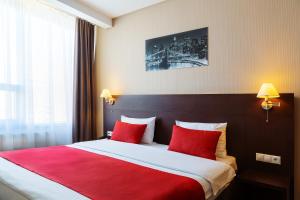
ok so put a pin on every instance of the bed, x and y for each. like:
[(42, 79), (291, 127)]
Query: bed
[(246, 123), (214, 176)]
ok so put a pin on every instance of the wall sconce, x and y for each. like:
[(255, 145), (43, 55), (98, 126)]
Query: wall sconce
[(268, 91), (107, 96)]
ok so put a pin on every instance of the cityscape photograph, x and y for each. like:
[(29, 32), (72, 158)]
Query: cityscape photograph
[(181, 50)]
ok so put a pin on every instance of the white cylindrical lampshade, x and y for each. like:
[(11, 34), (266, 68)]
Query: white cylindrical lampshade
[(267, 90)]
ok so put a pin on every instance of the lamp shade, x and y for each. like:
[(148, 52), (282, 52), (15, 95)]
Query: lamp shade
[(267, 90), (105, 94)]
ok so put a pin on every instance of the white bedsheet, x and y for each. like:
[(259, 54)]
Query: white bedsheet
[(230, 160), (212, 175)]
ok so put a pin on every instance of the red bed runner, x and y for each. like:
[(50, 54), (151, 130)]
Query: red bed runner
[(102, 177)]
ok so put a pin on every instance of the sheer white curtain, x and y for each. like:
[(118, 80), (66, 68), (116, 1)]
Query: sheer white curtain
[(36, 75)]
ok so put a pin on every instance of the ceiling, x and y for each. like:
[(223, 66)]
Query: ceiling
[(116, 8)]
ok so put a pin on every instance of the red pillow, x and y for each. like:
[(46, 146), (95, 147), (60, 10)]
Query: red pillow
[(194, 142), (131, 133)]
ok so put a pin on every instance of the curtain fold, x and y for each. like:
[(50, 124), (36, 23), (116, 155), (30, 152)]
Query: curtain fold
[(84, 115)]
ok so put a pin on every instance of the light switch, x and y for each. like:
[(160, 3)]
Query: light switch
[(109, 133), (260, 157), (267, 158)]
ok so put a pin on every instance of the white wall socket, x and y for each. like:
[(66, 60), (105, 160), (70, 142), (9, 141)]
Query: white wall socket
[(268, 158), (276, 160)]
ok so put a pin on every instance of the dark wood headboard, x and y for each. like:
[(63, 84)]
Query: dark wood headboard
[(247, 131)]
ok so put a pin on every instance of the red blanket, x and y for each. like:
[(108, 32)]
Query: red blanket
[(101, 177)]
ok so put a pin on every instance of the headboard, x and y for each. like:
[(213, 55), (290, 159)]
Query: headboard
[(247, 131)]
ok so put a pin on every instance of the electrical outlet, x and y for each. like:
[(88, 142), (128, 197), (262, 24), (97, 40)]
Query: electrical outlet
[(276, 160), (268, 158)]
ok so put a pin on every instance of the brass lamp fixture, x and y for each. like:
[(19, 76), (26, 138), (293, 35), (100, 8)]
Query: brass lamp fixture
[(107, 96), (268, 91)]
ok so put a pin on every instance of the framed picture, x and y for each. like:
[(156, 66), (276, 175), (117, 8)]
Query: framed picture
[(181, 50)]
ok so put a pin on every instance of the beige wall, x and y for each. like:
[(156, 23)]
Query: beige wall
[(250, 42)]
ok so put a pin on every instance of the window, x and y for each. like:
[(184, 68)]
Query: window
[(36, 73)]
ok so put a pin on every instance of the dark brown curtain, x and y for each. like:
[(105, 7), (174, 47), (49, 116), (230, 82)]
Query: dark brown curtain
[(84, 113)]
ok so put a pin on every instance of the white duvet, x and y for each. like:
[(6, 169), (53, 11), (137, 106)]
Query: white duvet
[(212, 175)]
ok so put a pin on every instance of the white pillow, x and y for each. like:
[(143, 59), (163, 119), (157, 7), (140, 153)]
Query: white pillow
[(149, 131), (221, 146)]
